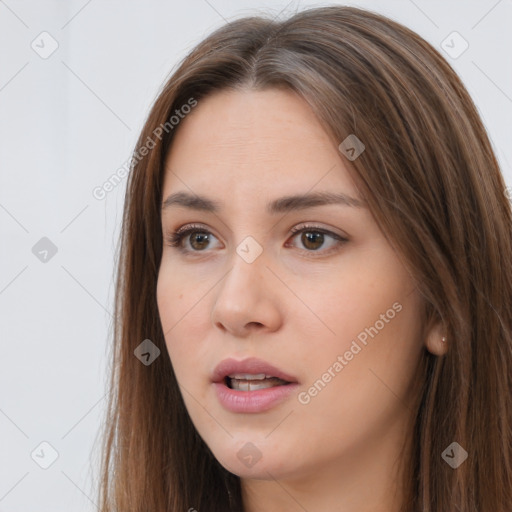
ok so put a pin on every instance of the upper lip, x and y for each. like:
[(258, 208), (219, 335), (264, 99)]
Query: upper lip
[(252, 366)]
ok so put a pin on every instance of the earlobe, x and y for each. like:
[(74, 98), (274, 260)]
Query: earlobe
[(436, 340)]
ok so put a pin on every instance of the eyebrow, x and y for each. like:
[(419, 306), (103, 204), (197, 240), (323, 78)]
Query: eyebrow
[(277, 206)]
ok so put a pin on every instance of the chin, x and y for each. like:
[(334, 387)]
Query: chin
[(259, 460)]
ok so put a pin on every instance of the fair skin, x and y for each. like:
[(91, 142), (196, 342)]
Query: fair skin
[(299, 306)]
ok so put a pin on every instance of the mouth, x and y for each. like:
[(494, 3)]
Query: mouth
[(251, 385)]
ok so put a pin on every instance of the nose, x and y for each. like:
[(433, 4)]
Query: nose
[(247, 299)]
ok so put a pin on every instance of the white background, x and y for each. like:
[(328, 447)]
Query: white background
[(67, 123)]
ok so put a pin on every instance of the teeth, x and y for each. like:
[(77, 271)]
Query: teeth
[(243, 384), (249, 376)]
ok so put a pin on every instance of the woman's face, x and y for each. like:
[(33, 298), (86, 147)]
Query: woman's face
[(330, 309)]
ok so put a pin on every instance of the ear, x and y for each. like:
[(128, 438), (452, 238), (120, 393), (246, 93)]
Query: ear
[(434, 337)]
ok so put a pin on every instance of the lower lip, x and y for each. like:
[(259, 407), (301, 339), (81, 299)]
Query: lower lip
[(252, 401)]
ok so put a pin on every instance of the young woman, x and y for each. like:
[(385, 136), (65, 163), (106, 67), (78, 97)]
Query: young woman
[(315, 281)]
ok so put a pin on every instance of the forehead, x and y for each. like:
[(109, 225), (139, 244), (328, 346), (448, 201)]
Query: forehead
[(250, 141)]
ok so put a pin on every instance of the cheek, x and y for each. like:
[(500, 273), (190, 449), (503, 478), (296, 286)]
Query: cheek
[(369, 394), (370, 317), (338, 304), (366, 370), (168, 297), (177, 298), (182, 307), (171, 301)]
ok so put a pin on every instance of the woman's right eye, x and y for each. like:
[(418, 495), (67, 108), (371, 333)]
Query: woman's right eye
[(198, 242)]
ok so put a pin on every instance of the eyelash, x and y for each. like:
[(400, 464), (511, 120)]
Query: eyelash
[(175, 238)]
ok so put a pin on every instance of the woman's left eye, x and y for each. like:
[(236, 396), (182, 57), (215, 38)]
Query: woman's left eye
[(312, 238)]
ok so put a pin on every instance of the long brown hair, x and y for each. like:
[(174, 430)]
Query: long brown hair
[(434, 186)]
